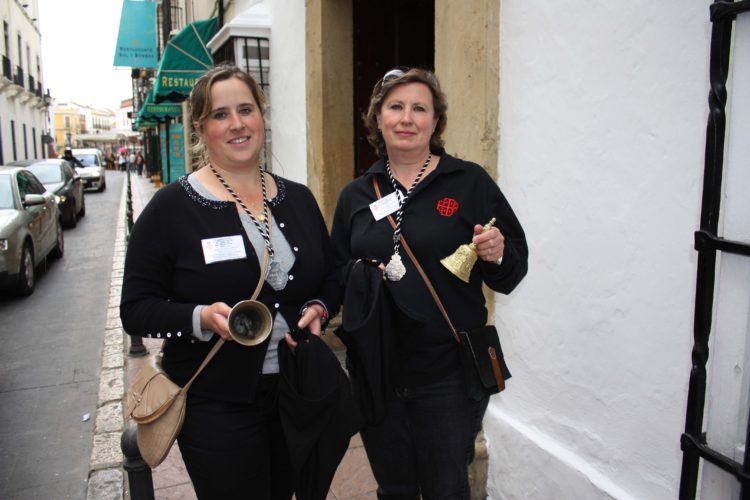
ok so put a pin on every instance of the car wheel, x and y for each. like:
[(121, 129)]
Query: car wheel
[(26, 276), (82, 212), (73, 218), (59, 249), (103, 186)]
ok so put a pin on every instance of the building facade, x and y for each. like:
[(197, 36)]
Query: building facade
[(24, 118), (78, 125)]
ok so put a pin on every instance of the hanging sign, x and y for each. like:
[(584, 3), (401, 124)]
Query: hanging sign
[(136, 41)]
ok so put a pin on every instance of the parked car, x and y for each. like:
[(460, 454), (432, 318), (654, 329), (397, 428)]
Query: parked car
[(59, 177), (93, 172), (30, 228)]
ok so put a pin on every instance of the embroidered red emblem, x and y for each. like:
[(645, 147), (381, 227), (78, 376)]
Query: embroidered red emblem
[(447, 207)]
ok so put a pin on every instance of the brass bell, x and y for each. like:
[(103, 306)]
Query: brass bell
[(250, 322), (461, 262)]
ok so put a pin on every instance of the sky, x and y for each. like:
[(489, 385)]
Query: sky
[(78, 49)]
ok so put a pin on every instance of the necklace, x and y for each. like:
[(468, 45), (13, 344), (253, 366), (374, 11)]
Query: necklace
[(395, 270), (276, 277)]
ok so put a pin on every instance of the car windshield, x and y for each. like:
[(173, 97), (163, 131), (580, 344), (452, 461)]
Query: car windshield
[(6, 195), (47, 173), (87, 160)]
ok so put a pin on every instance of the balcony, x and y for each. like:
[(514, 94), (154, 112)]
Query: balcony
[(32, 83), (18, 80)]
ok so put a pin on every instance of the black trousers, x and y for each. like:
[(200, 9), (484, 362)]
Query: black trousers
[(426, 442), (237, 450)]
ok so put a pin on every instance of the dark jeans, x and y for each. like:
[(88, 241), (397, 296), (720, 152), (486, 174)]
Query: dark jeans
[(426, 442), (235, 450)]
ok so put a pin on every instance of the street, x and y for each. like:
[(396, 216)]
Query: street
[(51, 357)]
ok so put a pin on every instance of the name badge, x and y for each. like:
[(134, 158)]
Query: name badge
[(224, 248), (385, 206)]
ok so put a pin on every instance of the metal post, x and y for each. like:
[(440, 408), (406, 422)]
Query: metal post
[(137, 349), (140, 482)]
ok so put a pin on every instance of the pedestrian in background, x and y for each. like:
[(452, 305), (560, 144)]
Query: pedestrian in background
[(195, 250), (131, 162), (122, 161), (425, 443), (139, 162)]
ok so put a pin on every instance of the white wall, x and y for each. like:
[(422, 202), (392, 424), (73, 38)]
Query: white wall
[(602, 118), (288, 98)]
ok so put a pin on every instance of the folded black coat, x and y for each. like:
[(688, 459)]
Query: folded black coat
[(318, 414), (367, 331)]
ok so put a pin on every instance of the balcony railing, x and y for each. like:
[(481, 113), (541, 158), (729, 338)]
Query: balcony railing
[(19, 76)]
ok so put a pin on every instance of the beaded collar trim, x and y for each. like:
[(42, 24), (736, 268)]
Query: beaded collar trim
[(220, 204)]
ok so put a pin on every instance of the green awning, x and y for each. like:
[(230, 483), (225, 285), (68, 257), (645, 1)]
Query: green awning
[(150, 111), (143, 124), (185, 58)]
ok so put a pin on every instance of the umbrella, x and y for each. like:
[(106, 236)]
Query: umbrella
[(318, 414)]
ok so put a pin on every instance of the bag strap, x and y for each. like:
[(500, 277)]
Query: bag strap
[(414, 260), (220, 342)]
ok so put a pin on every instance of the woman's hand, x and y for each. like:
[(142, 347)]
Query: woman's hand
[(490, 244), (214, 318), (312, 319)]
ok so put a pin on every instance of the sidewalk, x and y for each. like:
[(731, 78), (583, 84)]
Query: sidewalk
[(353, 479)]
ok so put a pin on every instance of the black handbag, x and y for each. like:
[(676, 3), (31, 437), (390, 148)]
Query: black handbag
[(482, 358), (485, 371)]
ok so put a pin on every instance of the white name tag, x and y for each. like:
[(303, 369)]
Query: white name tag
[(385, 206), (224, 248)]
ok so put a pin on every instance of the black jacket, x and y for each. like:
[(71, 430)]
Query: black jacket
[(367, 330), (439, 217)]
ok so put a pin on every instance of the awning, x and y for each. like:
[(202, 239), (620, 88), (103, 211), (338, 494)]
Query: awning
[(185, 58), (143, 124), (152, 112)]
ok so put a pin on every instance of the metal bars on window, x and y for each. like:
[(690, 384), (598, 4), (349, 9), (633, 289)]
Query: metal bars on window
[(707, 242)]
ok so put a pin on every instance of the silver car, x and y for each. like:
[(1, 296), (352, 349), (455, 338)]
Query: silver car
[(92, 170), (30, 228)]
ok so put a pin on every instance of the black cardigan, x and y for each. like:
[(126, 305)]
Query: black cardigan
[(166, 277)]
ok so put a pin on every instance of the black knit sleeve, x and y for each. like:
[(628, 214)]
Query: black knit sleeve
[(505, 277), (146, 305)]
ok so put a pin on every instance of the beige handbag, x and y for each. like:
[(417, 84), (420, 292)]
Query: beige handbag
[(157, 405)]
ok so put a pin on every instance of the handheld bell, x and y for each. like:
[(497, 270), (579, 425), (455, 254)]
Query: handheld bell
[(250, 322), (461, 262)]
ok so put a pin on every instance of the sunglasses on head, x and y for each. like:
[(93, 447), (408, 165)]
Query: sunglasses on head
[(392, 75)]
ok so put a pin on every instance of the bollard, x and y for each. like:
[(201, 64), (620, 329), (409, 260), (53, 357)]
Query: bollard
[(137, 348), (140, 482), (128, 208)]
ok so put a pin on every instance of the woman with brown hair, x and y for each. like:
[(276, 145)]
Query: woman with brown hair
[(194, 252), (437, 202)]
